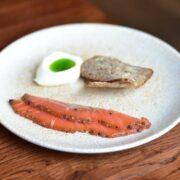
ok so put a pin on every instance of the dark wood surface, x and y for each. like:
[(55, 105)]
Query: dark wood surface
[(159, 159), (158, 17)]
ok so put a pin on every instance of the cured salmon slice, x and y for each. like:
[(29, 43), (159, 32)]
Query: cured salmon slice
[(86, 114), (53, 122), (72, 118)]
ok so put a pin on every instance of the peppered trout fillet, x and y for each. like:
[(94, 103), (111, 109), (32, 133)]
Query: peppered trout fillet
[(72, 118), (54, 122)]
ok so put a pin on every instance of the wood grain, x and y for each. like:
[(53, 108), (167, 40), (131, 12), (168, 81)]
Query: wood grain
[(159, 159), (19, 17)]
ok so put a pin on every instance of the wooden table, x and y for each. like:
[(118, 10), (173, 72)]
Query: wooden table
[(19, 159)]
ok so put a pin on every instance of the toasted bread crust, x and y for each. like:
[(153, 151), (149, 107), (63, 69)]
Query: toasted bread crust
[(100, 71), (115, 84)]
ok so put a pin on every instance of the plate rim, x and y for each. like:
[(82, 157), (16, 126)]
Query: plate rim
[(95, 150)]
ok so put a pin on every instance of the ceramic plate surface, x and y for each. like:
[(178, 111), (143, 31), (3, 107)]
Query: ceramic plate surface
[(158, 99)]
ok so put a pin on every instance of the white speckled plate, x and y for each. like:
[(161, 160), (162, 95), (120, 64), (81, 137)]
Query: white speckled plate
[(158, 99)]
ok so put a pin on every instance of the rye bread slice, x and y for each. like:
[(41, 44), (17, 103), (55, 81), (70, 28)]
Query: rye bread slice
[(102, 71)]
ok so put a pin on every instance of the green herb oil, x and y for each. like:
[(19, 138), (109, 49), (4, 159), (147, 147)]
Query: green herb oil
[(62, 65)]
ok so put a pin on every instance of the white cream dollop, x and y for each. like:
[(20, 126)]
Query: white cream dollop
[(46, 77)]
